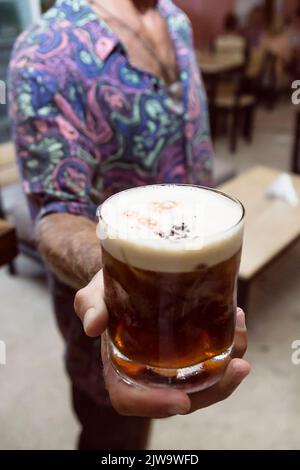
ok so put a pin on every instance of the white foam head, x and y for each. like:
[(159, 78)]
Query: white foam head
[(170, 228)]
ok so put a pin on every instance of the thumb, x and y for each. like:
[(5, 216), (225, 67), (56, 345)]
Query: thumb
[(90, 307)]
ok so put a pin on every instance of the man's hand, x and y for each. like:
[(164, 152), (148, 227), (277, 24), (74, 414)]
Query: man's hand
[(156, 403)]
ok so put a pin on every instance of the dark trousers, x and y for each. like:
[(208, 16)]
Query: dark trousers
[(102, 426)]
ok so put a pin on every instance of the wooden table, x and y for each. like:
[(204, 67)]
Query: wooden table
[(214, 67), (9, 173), (214, 64), (272, 226), (8, 243)]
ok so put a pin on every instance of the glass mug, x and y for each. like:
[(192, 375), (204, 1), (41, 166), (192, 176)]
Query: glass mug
[(171, 256)]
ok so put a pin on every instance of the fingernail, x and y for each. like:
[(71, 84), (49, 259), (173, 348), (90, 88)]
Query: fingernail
[(240, 319), (88, 317), (176, 409)]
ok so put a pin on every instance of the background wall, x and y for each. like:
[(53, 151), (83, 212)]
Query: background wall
[(243, 7), (290, 5), (30, 11), (207, 17)]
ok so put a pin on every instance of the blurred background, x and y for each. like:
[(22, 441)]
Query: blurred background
[(249, 55)]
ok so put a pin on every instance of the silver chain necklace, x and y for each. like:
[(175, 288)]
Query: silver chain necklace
[(175, 88)]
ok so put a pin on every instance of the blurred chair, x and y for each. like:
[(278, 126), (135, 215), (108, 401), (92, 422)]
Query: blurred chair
[(295, 167), (255, 62), (232, 44), (8, 243), (255, 67), (266, 83), (8, 176), (234, 107), (13, 204), (263, 78)]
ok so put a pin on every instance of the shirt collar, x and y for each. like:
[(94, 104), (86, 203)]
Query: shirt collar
[(77, 10)]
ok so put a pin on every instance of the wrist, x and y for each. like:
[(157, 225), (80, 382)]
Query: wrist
[(70, 247)]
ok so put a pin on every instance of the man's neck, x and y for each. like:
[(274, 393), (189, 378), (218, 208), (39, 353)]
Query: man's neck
[(141, 5), (144, 4)]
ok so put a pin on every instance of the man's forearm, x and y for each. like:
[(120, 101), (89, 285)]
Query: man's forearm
[(70, 247)]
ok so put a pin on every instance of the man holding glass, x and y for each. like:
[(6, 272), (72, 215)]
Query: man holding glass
[(106, 95)]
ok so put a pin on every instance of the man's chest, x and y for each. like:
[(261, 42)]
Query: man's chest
[(147, 40), (156, 55), (116, 99)]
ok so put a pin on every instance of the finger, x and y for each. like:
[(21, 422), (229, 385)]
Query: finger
[(237, 370), (144, 402), (90, 307), (240, 337)]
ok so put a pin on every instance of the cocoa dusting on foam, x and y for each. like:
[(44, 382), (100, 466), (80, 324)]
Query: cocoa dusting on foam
[(148, 222), (164, 206), (176, 232)]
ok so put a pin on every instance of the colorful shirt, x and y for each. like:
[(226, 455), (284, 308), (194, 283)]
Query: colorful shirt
[(88, 124)]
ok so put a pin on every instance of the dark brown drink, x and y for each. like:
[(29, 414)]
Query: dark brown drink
[(171, 327)]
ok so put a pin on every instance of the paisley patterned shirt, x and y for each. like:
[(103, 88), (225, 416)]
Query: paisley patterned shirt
[(88, 124)]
